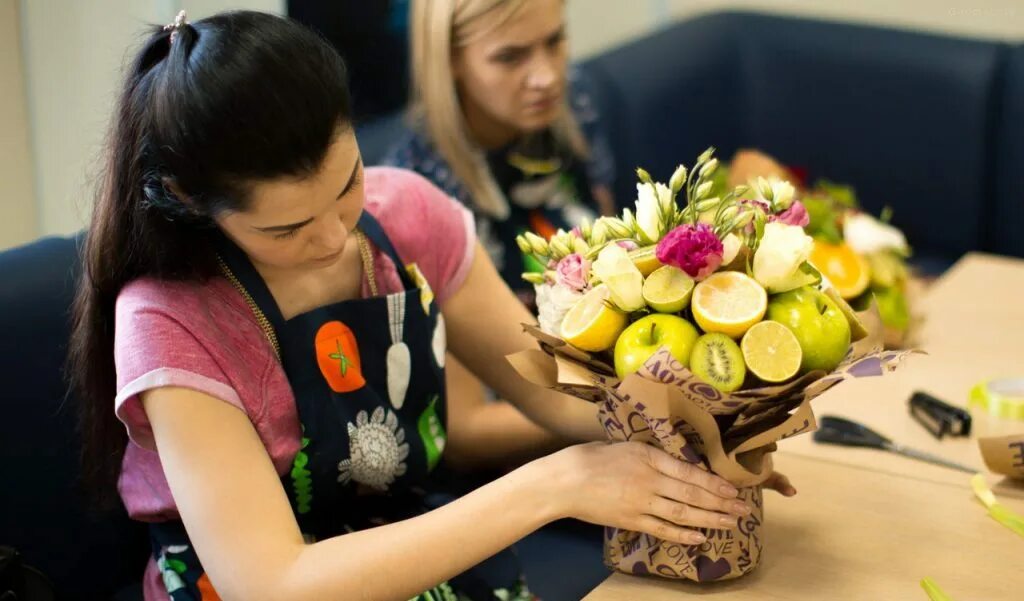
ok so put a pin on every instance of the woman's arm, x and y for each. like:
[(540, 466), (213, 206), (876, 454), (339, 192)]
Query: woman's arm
[(604, 199), (484, 326), (487, 434), (241, 524)]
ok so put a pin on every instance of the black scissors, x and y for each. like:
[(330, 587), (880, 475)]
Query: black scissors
[(841, 431)]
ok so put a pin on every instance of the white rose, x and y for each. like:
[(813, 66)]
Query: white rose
[(784, 248), (553, 302), (650, 201), (867, 235), (624, 280)]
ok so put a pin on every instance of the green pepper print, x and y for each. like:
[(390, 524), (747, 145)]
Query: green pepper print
[(432, 432)]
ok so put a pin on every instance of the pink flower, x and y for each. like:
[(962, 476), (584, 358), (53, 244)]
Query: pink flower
[(693, 248), (573, 271), (627, 244), (796, 214)]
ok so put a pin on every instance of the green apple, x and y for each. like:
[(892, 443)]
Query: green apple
[(819, 325), (645, 336), (892, 306)]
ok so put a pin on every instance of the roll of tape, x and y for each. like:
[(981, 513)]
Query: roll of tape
[(1002, 397)]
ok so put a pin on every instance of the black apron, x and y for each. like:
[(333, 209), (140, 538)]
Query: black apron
[(368, 380)]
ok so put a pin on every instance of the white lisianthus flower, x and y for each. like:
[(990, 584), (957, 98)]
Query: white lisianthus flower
[(624, 280), (553, 302), (730, 248), (867, 235), (649, 203), (778, 193), (784, 248)]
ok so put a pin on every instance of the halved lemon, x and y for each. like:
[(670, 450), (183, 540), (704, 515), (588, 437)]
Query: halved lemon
[(848, 272), (728, 302), (592, 324), (771, 351), (668, 289)]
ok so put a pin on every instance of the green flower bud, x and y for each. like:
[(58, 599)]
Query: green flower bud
[(704, 189), (709, 168), (707, 204), (586, 228), (706, 155), (728, 214), (539, 246), (643, 175), (579, 245), (524, 244), (617, 228), (678, 179), (598, 233), (559, 248), (534, 278)]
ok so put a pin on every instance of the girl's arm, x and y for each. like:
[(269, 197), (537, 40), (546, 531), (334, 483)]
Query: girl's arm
[(241, 524), (487, 434), (484, 326)]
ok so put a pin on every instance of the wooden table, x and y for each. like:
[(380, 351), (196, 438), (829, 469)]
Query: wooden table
[(860, 535), (973, 331), (869, 525)]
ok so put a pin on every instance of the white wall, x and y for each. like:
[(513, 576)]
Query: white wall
[(596, 25), (17, 198), (73, 52)]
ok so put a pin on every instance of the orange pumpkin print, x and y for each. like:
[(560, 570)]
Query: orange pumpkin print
[(337, 354), (206, 592)]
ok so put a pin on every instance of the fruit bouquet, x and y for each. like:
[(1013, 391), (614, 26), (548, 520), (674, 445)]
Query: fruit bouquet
[(864, 258), (697, 324)]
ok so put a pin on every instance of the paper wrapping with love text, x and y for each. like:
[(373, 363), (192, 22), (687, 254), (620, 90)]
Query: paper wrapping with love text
[(1004, 454), (666, 405)]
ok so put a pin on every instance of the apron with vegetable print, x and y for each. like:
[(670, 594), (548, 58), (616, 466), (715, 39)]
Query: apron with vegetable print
[(368, 380)]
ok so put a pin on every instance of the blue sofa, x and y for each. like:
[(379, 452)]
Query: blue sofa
[(932, 125), (928, 124)]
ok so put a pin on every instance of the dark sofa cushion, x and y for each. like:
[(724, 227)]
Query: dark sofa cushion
[(42, 509), (1006, 233), (903, 116)]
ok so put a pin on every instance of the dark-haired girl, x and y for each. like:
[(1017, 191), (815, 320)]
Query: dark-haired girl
[(260, 338)]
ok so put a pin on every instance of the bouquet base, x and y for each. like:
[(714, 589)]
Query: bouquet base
[(726, 554)]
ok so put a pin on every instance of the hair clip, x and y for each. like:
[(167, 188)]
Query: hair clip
[(179, 22)]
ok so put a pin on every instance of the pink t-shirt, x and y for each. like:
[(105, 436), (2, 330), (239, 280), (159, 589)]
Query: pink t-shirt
[(205, 337)]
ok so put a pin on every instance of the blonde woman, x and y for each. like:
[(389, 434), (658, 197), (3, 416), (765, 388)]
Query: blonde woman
[(501, 124)]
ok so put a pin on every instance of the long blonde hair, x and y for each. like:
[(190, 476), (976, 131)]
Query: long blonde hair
[(437, 29)]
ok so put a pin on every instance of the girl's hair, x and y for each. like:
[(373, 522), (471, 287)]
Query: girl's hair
[(438, 28), (234, 99)]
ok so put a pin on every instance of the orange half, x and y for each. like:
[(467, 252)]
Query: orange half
[(848, 271)]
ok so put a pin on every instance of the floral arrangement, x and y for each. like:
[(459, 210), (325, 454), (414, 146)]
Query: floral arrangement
[(864, 257), (698, 323)]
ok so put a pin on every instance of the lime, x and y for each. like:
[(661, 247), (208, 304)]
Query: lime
[(668, 289), (771, 351), (728, 302), (591, 324), (645, 259)]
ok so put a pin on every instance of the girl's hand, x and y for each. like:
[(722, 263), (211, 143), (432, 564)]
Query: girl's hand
[(639, 487)]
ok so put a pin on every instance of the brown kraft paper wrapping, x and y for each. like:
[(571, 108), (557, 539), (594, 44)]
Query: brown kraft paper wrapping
[(733, 435), (1004, 454)]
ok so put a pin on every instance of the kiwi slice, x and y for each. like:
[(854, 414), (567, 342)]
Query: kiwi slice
[(718, 360)]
